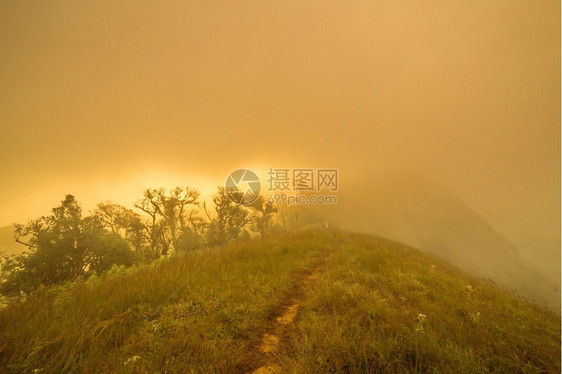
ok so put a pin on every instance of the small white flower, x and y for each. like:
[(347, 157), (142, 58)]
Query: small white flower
[(131, 360), (421, 319)]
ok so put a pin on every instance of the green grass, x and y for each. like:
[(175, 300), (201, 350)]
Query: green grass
[(348, 325), (97, 325), (345, 324)]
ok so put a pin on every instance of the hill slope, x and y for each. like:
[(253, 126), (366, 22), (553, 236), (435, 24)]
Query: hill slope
[(427, 218), (293, 303)]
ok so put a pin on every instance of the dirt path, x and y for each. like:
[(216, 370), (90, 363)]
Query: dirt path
[(283, 318)]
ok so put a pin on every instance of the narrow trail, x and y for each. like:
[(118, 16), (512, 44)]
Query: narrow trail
[(284, 318)]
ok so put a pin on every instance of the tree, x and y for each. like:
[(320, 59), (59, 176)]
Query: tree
[(169, 216), (228, 220), (109, 249), (265, 211), (123, 222), (62, 247)]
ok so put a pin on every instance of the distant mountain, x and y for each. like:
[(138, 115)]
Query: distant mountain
[(421, 216), (8, 245)]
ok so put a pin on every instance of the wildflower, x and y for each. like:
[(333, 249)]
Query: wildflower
[(421, 319), (469, 290), (131, 360)]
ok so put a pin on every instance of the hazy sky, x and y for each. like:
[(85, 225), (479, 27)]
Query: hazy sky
[(86, 110)]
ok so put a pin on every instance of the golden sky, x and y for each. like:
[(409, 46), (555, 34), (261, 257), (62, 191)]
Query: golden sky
[(86, 110)]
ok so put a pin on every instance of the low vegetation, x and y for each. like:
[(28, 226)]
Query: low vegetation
[(453, 322), (67, 245), (172, 315)]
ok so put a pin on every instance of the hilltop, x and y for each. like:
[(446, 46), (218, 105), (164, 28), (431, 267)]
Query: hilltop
[(293, 302)]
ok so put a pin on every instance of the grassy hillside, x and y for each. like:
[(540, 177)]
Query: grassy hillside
[(439, 223), (294, 303)]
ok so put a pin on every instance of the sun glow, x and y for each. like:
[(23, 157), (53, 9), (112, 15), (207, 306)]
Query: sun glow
[(126, 192)]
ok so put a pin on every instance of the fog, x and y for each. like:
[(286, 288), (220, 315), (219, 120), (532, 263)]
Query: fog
[(414, 211), (475, 109)]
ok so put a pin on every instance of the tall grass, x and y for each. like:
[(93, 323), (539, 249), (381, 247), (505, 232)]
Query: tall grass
[(457, 323), (106, 324)]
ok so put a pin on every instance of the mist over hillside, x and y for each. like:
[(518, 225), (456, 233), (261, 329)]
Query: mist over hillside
[(8, 245), (420, 214)]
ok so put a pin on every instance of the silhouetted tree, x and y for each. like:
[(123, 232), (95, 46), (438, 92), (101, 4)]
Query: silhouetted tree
[(62, 247), (265, 211), (123, 222), (229, 218), (169, 216)]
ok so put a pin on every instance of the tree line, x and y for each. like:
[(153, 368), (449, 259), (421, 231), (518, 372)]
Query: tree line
[(67, 244)]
